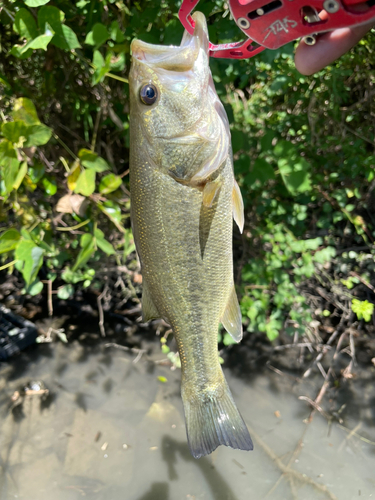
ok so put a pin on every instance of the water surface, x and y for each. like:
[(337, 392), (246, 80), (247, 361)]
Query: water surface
[(111, 430)]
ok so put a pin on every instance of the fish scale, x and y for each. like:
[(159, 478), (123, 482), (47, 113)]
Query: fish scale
[(182, 225)]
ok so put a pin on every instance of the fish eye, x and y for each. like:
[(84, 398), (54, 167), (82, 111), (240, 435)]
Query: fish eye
[(148, 94)]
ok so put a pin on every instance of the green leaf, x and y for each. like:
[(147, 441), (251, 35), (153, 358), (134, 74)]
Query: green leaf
[(85, 238), (20, 175), (129, 245), (98, 60), (35, 288), (86, 182), (65, 291), (85, 253), (25, 25), (32, 257), (9, 240), (101, 66), (36, 172), (325, 255), (38, 135), (363, 309), (72, 277), (295, 175), (272, 334), (102, 243), (112, 210), (4, 81), (7, 152), (14, 130), (303, 245), (238, 140), (97, 36), (40, 42), (64, 37), (35, 135), (24, 110), (52, 16), (49, 186), (285, 149), (116, 33), (261, 171), (266, 141), (67, 39), (92, 161), (35, 3), (10, 164), (17, 51), (109, 183)]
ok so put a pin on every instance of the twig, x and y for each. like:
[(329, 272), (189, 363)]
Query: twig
[(289, 346), (279, 372), (326, 382), (362, 280), (43, 158), (354, 433), (287, 471), (139, 352), (62, 143), (315, 406), (326, 348), (49, 300), (73, 228), (359, 135), (9, 264), (101, 314), (96, 128), (321, 369)]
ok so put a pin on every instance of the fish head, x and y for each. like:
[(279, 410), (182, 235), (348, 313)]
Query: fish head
[(174, 110), (176, 78)]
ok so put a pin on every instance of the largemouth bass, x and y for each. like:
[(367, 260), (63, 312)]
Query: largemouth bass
[(183, 197)]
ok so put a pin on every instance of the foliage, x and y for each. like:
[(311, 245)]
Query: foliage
[(303, 150), (363, 309)]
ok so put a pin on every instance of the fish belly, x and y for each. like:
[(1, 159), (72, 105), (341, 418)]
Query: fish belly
[(185, 251)]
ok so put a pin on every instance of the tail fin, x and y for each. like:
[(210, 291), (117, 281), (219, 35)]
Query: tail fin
[(213, 421)]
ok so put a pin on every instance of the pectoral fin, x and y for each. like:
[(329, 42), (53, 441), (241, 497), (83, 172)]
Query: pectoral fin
[(238, 213), (210, 191), (149, 310), (232, 318), (220, 154)]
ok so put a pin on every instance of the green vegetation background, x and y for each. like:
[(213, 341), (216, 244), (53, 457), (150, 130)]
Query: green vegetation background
[(303, 150)]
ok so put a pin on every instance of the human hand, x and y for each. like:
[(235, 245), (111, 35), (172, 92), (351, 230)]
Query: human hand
[(329, 46)]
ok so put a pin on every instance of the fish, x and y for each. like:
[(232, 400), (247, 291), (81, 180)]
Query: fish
[(183, 201)]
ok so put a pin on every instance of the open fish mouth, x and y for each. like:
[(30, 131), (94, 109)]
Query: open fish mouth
[(174, 58)]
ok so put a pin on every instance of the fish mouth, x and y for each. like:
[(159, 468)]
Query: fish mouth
[(174, 58)]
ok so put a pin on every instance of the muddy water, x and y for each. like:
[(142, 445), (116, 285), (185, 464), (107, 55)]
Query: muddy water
[(109, 429)]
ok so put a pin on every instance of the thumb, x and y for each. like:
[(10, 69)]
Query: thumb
[(329, 46)]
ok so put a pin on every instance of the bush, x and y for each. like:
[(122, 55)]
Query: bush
[(303, 150)]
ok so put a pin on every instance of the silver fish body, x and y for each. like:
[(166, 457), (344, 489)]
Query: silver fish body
[(183, 197)]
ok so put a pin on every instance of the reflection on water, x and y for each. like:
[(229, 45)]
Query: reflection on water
[(109, 429)]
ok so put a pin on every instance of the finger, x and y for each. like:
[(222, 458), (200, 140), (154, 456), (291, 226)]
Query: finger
[(330, 46)]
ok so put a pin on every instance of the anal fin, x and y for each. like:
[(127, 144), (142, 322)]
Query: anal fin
[(149, 310), (238, 211), (232, 317)]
